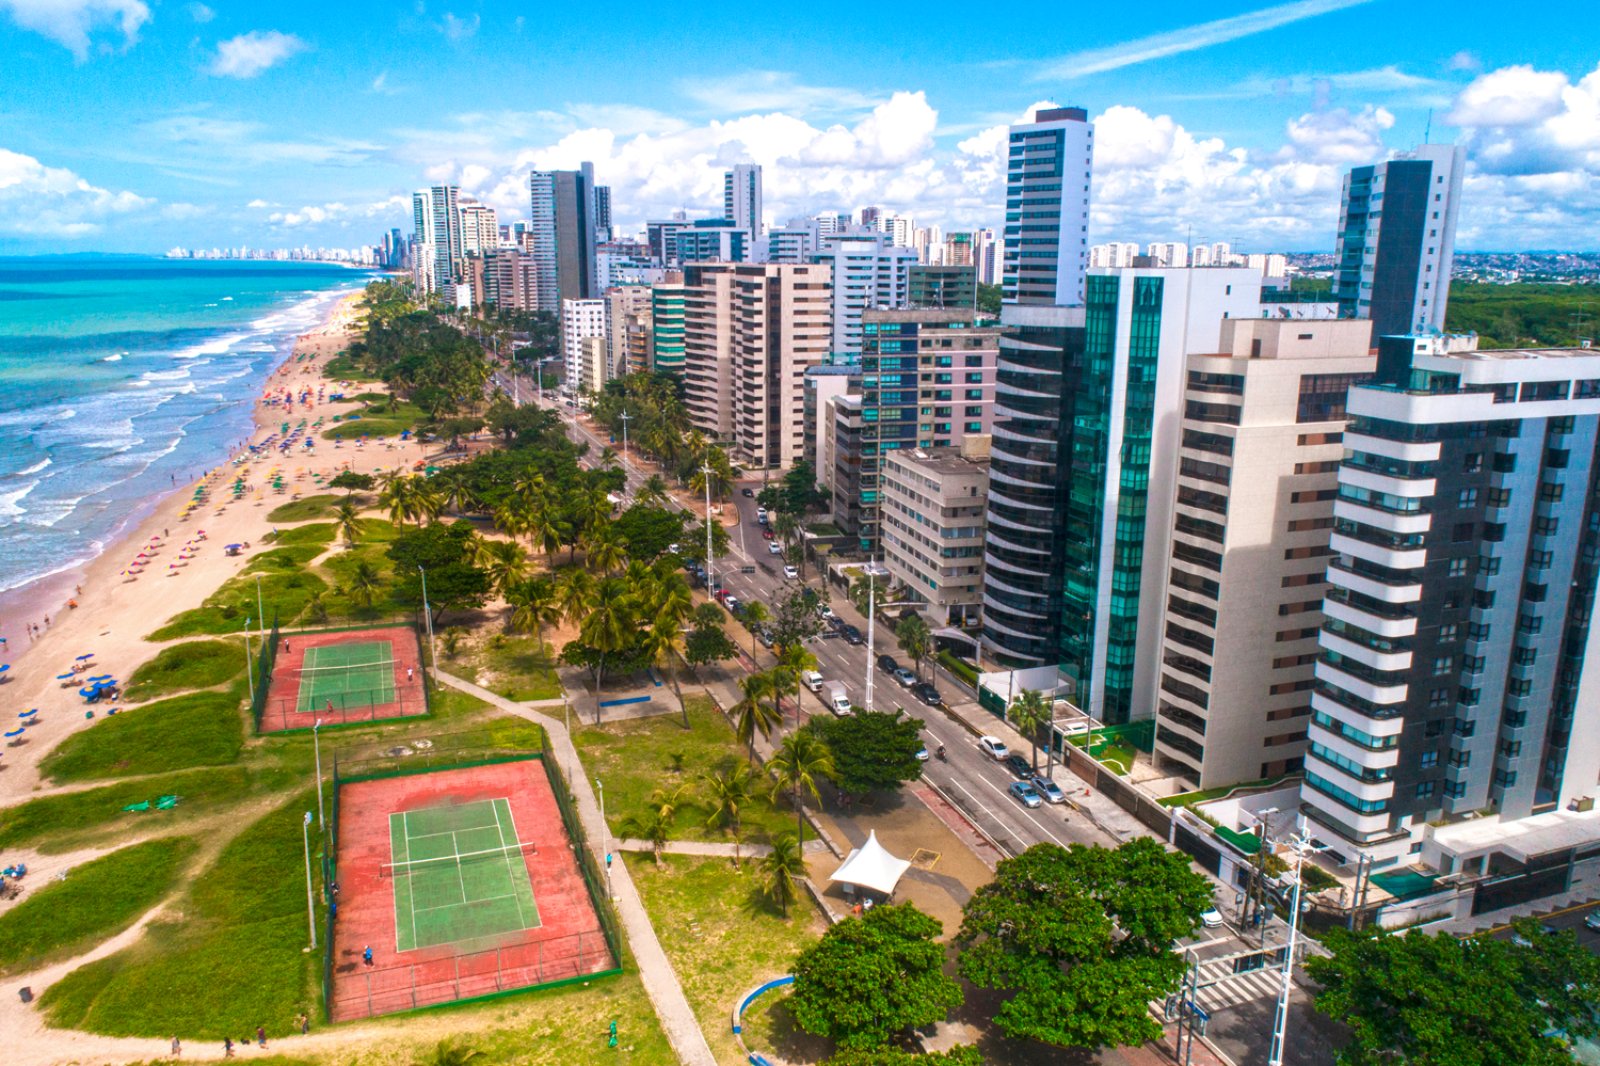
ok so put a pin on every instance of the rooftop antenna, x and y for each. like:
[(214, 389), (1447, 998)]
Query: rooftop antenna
[(1427, 131)]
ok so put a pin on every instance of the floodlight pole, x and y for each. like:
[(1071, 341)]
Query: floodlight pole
[(311, 909), (872, 616), (316, 748), (427, 616), (605, 854), (624, 419), (261, 613), (249, 668), (711, 584), (1301, 845)]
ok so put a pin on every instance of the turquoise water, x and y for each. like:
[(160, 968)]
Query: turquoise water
[(121, 376)]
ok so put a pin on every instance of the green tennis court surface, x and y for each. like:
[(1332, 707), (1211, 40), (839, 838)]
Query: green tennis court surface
[(459, 874), (360, 674)]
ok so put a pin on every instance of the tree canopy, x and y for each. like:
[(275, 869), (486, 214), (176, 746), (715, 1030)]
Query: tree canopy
[(1438, 1000), (1081, 939), (873, 977), (873, 750), (445, 551)]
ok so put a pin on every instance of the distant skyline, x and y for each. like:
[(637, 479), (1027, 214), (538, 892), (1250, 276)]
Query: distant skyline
[(127, 125)]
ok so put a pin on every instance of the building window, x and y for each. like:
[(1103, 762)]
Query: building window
[(1439, 697), (1467, 498), (1449, 632), (1322, 396), (1458, 568), (1426, 789), (1429, 759), (1443, 665)]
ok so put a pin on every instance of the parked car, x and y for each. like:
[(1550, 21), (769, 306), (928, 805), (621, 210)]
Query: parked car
[(764, 635), (852, 635), (1211, 917), (825, 612), (993, 747), (774, 548), (904, 676), (1591, 921), (767, 534), (790, 573), (1049, 789), (811, 679), (927, 692), (747, 492), (732, 604), (1018, 765), (888, 664), (761, 515), (1024, 793)]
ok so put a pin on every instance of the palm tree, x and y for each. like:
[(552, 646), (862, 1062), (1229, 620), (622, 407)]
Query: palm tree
[(652, 826), (454, 490), (653, 491), (607, 628), (429, 500), (753, 714), (514, 517), (663, 642), (781, 870), (801, 760), (347, 521), (915, 639), (399, 498), (755, 612), (365, 583), (575, 594), (535, 605), (544, 529), (1031, 712), (606, 550), (793, 660), (506, 562), (729, 790)]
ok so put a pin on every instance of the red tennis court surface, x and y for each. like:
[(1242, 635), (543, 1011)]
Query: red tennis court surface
[(401, 697), (567, 943)]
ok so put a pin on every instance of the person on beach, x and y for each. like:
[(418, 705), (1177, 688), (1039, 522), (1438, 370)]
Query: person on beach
[(305, 1024), (227, 1047), (366, 955), (177, 1048), (261, 1035)]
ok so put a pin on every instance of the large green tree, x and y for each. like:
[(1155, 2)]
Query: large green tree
[(1437, 1000), (873, 750), (873, 977), (445, 553), (1080, 939)]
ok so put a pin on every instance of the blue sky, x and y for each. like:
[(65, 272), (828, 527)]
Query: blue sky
[(134, 125)]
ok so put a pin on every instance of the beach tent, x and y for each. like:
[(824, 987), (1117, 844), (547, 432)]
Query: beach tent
[(872, 867)]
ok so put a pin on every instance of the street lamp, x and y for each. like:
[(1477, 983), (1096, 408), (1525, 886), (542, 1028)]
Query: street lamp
[(261, 614), (316, 748), (1301, 845), (427, 615), (711, 583), (311, 909), (624, 419), (872, 625), (605, 852), (250, 670)]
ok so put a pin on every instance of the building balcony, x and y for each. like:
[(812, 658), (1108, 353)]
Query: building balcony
[(1383, 626), (1378, 660), (1394, 558), (1377, 694), (1343, 577), (1410, 451), (1389, 521), (1385, 759), (1410, 488), (1341, 821), (1368, 791), (1327, 701)]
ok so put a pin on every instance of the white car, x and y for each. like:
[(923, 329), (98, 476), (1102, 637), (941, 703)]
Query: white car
[(790, 572), (993, 747), (774, 548), (1211, 917)]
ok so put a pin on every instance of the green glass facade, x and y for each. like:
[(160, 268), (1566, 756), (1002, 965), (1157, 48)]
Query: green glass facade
[(667, 306)]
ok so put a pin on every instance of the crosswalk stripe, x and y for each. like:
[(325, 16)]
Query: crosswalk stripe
[(1244, 988)]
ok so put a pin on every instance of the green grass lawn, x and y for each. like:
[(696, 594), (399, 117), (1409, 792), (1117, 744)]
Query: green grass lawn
[(318, 533), (305, 510), (70, 820), (344, 368), (98, 900), (377, 420), (635, 758), (232, 962), (185, 667), (200, 729), (510, 666), (285, 588), (722, 937)]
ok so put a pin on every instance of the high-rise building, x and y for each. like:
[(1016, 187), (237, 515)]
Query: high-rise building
[(713, 240), (1088, 402), (1397, 232), (580, 320), (510, 280), (628, 316), (662, 237), (942, 286), (741, 197), (667, 303), (562, 224), (1047, 208), (868, 272), (436, 221), (480, 230), (422, 261), (1458, 674), (750, 332), (790, 244), (933, 506), (822, 385), (1169, 253), (927, 381), (986, 256), (602, 214), (1262, 431)]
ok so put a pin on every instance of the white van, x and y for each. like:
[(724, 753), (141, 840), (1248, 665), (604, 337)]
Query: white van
[(812, 680)]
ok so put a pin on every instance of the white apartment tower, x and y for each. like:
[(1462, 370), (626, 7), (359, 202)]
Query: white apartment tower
[(741, 197), (1047, 208)]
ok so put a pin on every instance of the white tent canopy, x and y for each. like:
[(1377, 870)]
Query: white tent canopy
[(872, 867)]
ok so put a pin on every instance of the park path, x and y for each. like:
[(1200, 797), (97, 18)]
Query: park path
[(655, 969)]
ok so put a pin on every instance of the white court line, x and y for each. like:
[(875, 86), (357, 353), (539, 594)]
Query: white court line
[(411, 893), (511, 874), (485, 899)]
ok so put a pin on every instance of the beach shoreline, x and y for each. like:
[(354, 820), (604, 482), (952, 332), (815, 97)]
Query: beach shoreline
[(116, 608)]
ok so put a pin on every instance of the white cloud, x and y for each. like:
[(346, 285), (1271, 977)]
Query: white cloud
[(459, 29), (1188, 39), (201, 13), (1511, 96), (381, 85), (248, 54), (1464, 60), (336, 212), (1522, 121), (769, 90), (53, 202), (72, 22), (202, 142)]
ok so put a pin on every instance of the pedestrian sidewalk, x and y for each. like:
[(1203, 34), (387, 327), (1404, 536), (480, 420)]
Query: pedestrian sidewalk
[(655, 969), (711, 848)]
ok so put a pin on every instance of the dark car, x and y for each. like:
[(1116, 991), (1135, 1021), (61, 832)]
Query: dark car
[(927, 692), (887, 663), (747, 492), (1019, 767), (852, 635)]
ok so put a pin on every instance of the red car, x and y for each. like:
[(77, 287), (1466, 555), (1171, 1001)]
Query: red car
[(766, 534)]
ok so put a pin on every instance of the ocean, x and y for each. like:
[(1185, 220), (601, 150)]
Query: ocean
[(122, 376)]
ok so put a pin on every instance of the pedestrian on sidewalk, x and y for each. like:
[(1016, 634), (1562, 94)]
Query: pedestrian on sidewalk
[(305, 1023), (227, 1047), (177, 1048), (261, 1035)]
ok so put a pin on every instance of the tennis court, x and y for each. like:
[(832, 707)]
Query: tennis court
[(459, 874), (340, 676)]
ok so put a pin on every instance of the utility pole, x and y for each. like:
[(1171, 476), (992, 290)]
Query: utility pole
[(872, 625), (624, 420), (711, 584), (316, 748), (427, 616), (1301, 845), (311, 908)]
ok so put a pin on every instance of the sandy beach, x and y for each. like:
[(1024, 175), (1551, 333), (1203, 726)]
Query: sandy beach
[(117, 606)]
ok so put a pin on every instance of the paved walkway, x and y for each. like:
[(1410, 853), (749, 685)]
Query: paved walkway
[(711, 848), (655, 970)]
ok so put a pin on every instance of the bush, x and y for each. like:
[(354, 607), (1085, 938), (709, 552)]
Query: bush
[(202, 729), (97, 900), (185, 667)]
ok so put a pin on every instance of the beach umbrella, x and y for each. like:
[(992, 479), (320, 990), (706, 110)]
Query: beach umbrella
[(65, 677), (28, 714), (14, 733), (4, 668), (83, 657)]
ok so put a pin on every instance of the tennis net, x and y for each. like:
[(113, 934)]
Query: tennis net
[(389, 870), (312, 671)]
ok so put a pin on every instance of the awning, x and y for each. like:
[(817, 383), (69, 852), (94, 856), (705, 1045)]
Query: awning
[(872, 867)]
